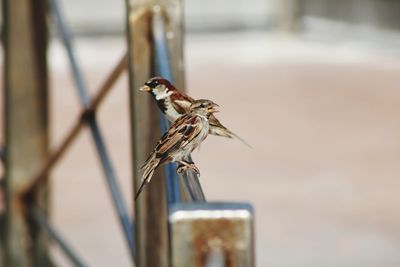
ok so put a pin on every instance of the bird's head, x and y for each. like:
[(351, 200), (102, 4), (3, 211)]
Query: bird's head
[(204, 107), (159, 87)]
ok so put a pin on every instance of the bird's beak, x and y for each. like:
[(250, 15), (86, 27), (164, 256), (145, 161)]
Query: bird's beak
[(214, 108), (145, 88)]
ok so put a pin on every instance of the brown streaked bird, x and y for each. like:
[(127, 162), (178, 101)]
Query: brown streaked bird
[(174, 104), (185, 134)]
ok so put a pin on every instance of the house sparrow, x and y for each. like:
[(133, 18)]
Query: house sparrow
[(185, 134), (174, 104)]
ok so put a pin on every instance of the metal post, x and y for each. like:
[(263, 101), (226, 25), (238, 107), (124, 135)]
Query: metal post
[(162, 67), (26, 126), (290, 15), (151, 207), (191, 189)]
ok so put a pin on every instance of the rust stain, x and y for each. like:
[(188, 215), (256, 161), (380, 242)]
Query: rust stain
[(222, 231)]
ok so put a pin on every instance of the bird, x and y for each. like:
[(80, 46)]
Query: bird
[(174, 104), (184, 135)]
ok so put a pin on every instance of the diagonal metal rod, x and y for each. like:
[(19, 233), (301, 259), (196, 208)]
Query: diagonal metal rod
[(84, 98), (56, 155), (2, 153), (189, 178), (113, 185), (109, 82), (162, 68), (104, 89), (66, 40), (192, 186), (41, 220)]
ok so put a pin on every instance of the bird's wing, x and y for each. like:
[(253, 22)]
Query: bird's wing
[(181, 102), (182, 132), (214, 122)]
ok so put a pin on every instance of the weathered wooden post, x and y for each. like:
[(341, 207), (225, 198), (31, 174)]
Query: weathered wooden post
[(25, 126)]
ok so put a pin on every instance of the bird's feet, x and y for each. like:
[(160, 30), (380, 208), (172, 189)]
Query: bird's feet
[(183, 166)]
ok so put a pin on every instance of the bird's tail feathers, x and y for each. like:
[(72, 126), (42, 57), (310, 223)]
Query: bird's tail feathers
[(147, 161), (140, 189), (240, 139), (219, 131), (148, 170)]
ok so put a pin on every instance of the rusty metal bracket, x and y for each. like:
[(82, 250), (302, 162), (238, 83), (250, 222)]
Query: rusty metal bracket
[(211, 234)]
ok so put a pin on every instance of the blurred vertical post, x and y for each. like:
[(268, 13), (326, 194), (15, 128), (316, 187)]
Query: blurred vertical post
[(26, 126), (151, 207), (290, 15)]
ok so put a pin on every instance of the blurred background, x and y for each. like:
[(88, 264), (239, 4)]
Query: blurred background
[(312, 85)]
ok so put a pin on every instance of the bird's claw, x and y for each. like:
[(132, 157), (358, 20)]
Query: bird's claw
[(195, 169), (191, 166)]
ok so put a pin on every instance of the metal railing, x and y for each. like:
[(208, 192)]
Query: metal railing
[(86, 118), (155, 21)]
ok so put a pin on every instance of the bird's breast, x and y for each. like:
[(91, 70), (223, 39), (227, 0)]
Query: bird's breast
[(170, 112)]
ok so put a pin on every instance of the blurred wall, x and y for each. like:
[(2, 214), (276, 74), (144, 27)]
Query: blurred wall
[(374, 21), (108, 16), (210, 15), (377, 13)]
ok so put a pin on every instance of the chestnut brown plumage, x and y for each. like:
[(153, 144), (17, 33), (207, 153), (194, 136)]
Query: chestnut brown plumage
[(174, 104)]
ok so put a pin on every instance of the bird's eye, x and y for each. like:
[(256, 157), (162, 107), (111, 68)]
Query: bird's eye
[(152, 84)]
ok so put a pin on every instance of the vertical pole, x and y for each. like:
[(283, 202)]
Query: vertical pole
[(26, 126), (175, 34), (290, 15), (151, 207)]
